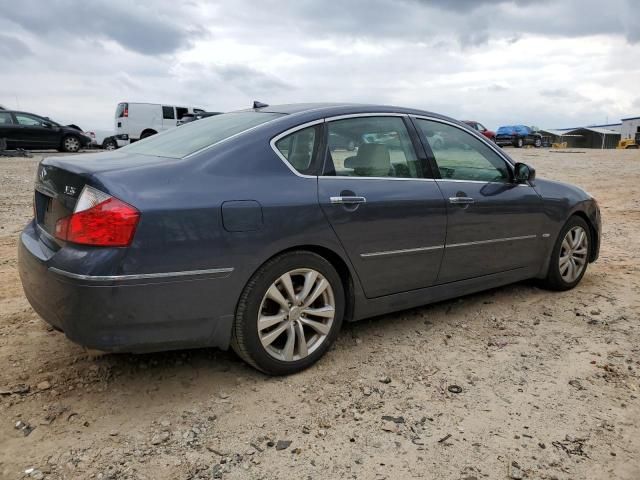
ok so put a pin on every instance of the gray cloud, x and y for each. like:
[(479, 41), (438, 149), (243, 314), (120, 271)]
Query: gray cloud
[(150, 28), (467, 58), (12, 48)]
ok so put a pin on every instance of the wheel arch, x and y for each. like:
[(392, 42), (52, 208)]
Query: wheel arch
[(149, 131), (593, 246), (337, 261)]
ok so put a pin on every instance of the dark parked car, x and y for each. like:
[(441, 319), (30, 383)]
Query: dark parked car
[(246, 230), (518, 136), (490, 134), (29, 131)]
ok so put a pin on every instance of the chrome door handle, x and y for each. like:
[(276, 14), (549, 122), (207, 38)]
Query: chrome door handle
[(347, 200), (461, 200)]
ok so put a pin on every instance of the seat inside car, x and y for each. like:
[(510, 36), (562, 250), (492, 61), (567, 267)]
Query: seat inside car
[(372, 160)]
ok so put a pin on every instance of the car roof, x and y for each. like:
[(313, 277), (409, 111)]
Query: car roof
[(319, 110)]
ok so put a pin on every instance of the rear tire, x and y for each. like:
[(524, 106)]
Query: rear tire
[(568, 254), (147, 133), (537, 143), (71, 144), (109, 144), (305, 331)]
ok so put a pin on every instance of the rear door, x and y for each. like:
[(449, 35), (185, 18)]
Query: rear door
[(7, 129), (494, 225), (390, 219)]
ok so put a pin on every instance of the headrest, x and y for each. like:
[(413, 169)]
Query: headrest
[(372, 160)]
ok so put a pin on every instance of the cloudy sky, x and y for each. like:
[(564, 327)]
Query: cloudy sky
[(548, 63)]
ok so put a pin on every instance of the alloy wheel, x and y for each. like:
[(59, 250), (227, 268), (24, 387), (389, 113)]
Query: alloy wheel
[(71, 144), (573, 254), (296, 314)]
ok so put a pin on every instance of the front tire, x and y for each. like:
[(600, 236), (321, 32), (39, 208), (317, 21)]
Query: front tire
[(570, 255), (289, 313), (519, 143), (71, 144), (537, 142)]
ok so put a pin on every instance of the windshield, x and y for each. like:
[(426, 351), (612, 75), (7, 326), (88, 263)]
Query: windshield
[(191, 137)]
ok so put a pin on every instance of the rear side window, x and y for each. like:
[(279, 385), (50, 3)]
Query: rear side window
[(167, 113), (300, 148), (5, 118), (120, 109), (194, 136)]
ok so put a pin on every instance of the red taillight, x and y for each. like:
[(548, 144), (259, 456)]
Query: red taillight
[(99, 219)]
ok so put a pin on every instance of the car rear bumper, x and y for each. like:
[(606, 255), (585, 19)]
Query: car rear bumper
[(127, 313)]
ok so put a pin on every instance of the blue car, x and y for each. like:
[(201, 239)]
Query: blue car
[(246, 230), (518, 136)]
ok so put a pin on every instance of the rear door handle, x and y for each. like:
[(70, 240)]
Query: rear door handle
[(347, 200), (461, 200)]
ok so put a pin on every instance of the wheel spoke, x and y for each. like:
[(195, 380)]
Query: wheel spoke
[(269, 338), (579, 261), (289, 346), (580, 237), (274, 294), (309, 281), (564, 260), (320, 287), (288, 287), (565, 244), (303, 350), (319, 327), (581, 251), (325, 312), (266, 321)]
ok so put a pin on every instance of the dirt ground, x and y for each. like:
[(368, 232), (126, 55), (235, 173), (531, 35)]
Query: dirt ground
[(549, 381)]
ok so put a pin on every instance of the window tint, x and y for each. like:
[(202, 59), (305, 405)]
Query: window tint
[(461, 156), (300, 149), (180, 111), (28, 120), (167, 113), (5, 118), (194, 136), (371, 147)]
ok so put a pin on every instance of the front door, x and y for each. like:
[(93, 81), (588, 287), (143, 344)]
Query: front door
[(389, 218), (494, 224), (35, 132)]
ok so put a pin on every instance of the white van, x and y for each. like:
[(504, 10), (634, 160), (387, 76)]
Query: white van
[(135, 121)]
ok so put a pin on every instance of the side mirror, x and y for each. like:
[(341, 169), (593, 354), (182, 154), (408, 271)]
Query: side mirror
[(47, 125), (524, 173)]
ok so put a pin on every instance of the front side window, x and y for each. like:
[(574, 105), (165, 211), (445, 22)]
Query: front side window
[(300, 148), (461, 156), (167, 113), (28, 120), (181, 111), (371, 147), (5, 118), (194, 136)]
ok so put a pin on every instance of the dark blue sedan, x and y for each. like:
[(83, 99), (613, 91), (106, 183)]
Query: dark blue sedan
[(247, 230)]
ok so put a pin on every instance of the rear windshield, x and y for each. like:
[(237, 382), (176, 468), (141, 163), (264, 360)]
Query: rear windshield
[(186, 139)]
